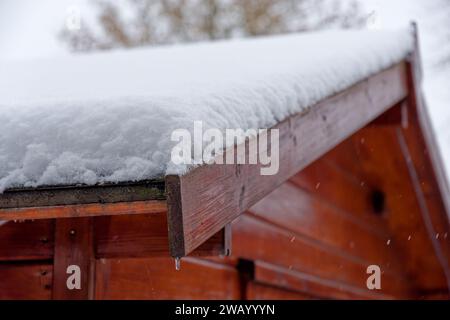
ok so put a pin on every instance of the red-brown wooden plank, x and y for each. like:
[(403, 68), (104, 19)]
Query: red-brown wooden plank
[(397, 154), (25, 281), (404, 214), (348, 191), (426, 167), (209, 197), (293, 209), (421, 116), (314, 285), (26, 240), (138, 236), (74, 246), (259, 291), (84, 210), (257, 240), (156, 278)]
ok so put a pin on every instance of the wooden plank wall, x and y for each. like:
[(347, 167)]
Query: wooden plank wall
[(156, 278), (317, 234), (358, 205), (371, 200), (121, 257), (26, 280)]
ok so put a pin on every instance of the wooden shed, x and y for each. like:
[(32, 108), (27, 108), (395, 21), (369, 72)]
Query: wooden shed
[(361, 183)]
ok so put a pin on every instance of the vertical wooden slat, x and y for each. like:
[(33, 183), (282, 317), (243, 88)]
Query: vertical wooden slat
[(427, 170), (74, 246)]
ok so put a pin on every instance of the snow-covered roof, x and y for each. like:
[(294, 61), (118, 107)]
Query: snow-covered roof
[(108, 117)]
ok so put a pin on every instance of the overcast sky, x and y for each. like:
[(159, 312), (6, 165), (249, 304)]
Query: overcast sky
[(28, 28)]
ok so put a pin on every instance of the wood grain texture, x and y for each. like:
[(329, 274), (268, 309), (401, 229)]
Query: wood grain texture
[(426, 168), (300, 212), (403, 213), (442, 295), (74, 246), (312, 285), (156, 278), (211, 196), (84, 210), (257, 240), (414, 174), (27, 240), (70, 195), (432, 209), (429, 138), (258, 291), (347, 191), (139, 236), (26, 281)]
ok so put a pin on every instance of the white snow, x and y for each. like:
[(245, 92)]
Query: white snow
[(108, 117)]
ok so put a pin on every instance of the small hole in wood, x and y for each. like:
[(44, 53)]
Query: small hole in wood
[(378, 200)]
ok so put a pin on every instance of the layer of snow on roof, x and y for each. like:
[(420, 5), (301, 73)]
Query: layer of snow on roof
[(108, 117)]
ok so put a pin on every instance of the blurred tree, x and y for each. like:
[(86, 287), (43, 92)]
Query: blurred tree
[(131, 23)]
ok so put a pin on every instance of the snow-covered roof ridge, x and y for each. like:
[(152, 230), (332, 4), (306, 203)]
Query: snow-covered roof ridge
[(108, 117)]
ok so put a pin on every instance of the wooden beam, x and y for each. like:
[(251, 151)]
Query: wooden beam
[(27, 241), (313, 285), (145, 236), (420, 112), (261, 291), (26, 281), (396, 116), (203, 201), (121, 236), (84, 210), (74, 246), (156, 279), (73, 195), (427, 171)]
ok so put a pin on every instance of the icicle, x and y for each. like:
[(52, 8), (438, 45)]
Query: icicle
[(177, 263)]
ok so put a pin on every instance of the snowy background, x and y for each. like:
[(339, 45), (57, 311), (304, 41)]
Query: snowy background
[(29, 29)]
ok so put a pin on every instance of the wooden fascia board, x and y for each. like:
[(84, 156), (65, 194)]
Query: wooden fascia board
[(415, 78), (203, 201), (84, 210), (433, 216), (83, 201), (73, 195)]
